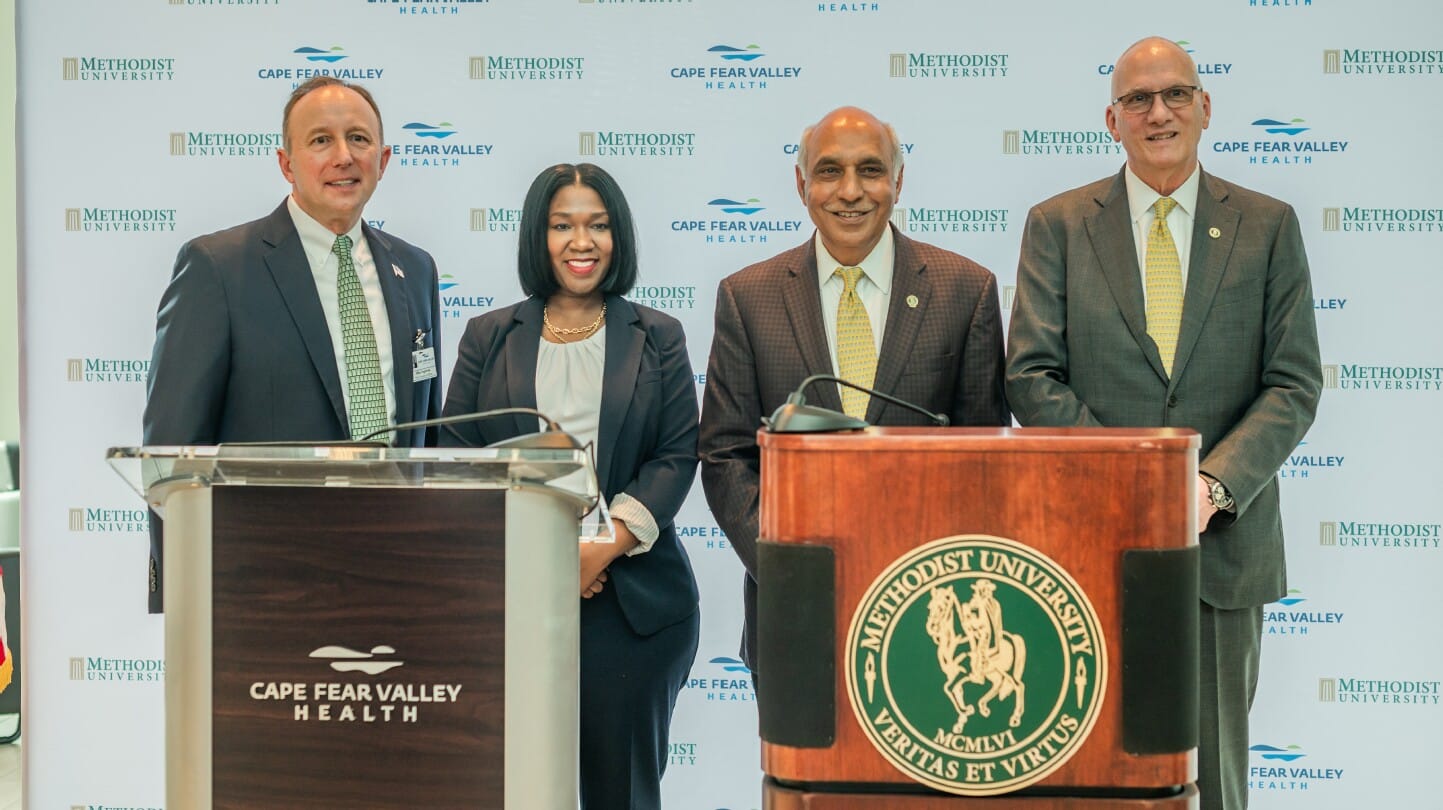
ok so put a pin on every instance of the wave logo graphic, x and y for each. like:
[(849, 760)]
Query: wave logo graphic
[(730, 664), (345, 659), (731, 54), (437, 131), (332, 55), (1273, 127), (731, 206), (1185, 45), (1272, 752), (1292, 599), (448, 281)]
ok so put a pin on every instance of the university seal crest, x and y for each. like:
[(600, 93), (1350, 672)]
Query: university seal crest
[(976, 665)]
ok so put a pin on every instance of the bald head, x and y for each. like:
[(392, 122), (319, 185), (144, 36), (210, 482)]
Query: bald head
[(850, 119), (1149, 51)]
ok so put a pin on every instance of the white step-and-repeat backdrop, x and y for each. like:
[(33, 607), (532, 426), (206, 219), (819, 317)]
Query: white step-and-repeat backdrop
[(147, 122)]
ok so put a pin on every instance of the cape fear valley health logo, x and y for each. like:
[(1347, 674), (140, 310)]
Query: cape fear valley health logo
[(1307, 462), (736, 68), (430, 9), (107, 370), (1296, 615), (922, 65), (1205, 69), (620, 143), (724, 680), (1286, 768), (1379, 534), (313, 62), (984, 656), (1378, 691), (221, 144), (458, 302), (709, 537), (432, 148), (373, 700), (100, 520), (1284, 147), (117, 68), (1382, 62), (1391, 220), (119, 220), (527, 68), (116, 670), (848, 8), (1059, 142), (1381, 378), (730, 221), (950, 220)]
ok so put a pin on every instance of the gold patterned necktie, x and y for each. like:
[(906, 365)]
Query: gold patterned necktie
[(1163, 279), (856, 349), (367, 410)]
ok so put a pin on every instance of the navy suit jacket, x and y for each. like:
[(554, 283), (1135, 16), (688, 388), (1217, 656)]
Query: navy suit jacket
[(646, 440), (243, 353)]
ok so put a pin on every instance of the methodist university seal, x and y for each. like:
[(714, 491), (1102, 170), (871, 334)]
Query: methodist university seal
[(976, 665)]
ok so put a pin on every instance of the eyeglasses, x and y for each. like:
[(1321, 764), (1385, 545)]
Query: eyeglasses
[(1140, 101)]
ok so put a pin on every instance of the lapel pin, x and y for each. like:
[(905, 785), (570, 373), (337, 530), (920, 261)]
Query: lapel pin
[(1214, 232), (397, 268), (912, 301)]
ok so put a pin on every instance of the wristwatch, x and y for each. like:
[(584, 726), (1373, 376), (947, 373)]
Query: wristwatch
[(1222, 500)]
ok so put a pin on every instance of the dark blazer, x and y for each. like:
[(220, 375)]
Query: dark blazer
[(243, 353), (1246, 374), (646, 439), (944, 354)]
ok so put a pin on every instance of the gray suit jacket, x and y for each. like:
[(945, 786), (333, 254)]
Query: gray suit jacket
[(1246, 375), (944, 354), (243, 353)]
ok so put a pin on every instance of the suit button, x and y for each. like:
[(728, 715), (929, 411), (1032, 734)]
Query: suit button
[(1172, 401)]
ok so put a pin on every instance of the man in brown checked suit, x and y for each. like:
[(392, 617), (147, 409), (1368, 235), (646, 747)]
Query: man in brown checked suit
[(931, 333)]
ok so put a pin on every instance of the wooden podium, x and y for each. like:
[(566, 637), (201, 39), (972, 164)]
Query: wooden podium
[(1027, 632), (356, 627)]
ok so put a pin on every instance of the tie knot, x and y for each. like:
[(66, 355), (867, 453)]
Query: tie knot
[(850, 276), (342, 247), (1164, 206)]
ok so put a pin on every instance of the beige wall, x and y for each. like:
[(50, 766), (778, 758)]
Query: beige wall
[(9, 291)]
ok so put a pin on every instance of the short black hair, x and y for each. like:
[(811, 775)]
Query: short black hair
[(533, 259)]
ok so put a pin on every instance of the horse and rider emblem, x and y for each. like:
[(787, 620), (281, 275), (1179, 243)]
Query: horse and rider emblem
[(976, 665)]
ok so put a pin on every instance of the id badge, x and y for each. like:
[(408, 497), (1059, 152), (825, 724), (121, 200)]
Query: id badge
[(423, 364)]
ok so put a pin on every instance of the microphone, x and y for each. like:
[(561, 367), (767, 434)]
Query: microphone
[(796, 416), (552, 438)]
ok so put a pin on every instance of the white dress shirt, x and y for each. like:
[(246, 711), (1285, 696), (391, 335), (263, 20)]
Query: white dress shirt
[(568, 389), (317, 241), (1140, 200), (874, 288)]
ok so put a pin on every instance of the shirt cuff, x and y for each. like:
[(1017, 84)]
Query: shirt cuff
[(636, 517)]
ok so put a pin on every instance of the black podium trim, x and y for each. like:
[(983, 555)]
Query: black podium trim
[(1160, 650), (796, 644)]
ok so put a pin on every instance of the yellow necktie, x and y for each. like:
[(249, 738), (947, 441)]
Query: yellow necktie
[(856, 350), (1163, 278)]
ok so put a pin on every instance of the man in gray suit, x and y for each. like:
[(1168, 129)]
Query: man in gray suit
[(927, 321), (304, 325), (1164, 296)]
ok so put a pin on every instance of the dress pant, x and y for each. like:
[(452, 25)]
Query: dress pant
[(1231, 642), (629, 685)]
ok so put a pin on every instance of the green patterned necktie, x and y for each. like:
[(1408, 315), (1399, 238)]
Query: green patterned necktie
[(856, 348), (1163, 279), (363, 364)]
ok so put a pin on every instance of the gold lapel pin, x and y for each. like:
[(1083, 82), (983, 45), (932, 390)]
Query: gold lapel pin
[(912, 301), (1214, 232)]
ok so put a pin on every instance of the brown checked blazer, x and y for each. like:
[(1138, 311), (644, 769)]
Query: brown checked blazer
[(944, 354), (1246, 374)]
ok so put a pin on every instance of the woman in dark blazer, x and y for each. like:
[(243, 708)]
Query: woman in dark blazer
[(618, 373)]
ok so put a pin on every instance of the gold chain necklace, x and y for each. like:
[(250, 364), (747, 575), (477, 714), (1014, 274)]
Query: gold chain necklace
[(579, 330)]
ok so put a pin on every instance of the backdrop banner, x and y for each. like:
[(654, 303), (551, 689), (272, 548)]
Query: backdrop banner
[(146, 123)]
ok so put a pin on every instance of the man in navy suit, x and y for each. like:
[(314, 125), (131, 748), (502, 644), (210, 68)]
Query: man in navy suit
[(250, 343)]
